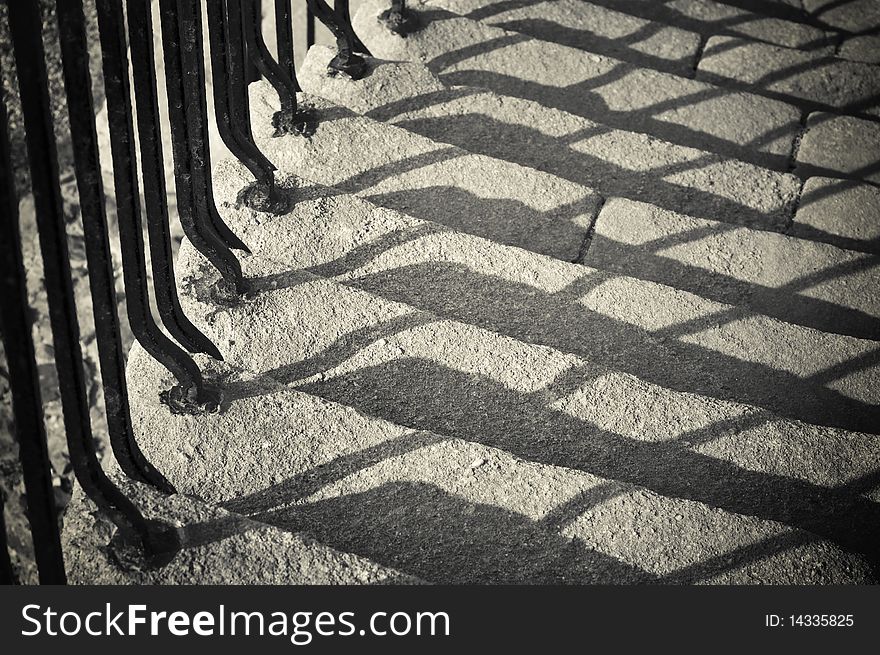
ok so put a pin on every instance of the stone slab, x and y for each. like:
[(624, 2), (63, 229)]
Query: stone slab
[(847, 87), (840, 146), (843, 208), (852, 16), (861, 48), (588, 27), (795, 280), (678, 109), (614, 162)]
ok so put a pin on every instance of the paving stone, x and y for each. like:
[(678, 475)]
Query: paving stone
[(609, 160), (844, 208), (795, 280), (853, 15), (709, 18), (393, 493), (846, 86), (861, 48), (840, 146), (589, 27), (219, 547), (677, 109)]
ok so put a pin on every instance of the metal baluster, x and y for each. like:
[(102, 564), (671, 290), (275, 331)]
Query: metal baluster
[(191, 200), (190, 394), (346, 62), (24, 21), (84, 140), (284, 34), (193, 61), (259, 54), (254, 7), (7, 577), (310, 27), (24, 381), (343, 10), (153, 168), (237, 140)]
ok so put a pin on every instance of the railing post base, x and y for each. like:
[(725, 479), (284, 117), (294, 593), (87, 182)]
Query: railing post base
[(154, 550), (400, 21), (303, 122), (190, 400), (352, 66)]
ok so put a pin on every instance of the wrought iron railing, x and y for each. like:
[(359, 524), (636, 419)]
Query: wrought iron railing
[(237, 55)]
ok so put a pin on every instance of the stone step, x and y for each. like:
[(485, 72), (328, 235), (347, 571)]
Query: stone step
[(662, 335), (218, 547), (612, 161), (665, 36), (678, 109), (809, 79), (825, 287), (443, 450), (453, 509)]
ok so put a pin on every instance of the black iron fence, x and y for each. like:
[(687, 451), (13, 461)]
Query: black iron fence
[(238, 55)]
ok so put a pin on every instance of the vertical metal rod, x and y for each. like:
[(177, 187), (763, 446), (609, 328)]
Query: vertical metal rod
[(310, 27), (259, 54), (236, 139), (115, 61), (196, 224), (25, 26), (84, 141), (345, 62), (24, 381), (189, 18), (153, 167), (251, 7), (7, 577), (239, 101), (343, 10), (284, 34)]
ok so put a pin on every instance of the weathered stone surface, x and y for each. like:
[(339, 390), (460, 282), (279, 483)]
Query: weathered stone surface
[(396, 168), (443, 508), (843, 208), (588, 27), (861, 48), (853, 16), (661, 334), (796, 280), (846, 86), (840, 146), (612, 161), (218, 547), (710, 18), (465, 52)]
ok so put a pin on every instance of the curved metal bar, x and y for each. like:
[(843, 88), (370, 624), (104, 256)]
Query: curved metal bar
[(115, 61), (239, 102), (25, 26), (259, 54), (78, 85), (346, 62), (196, 225), (238, 142), (189, 20), (153, 166), (24, 381)]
